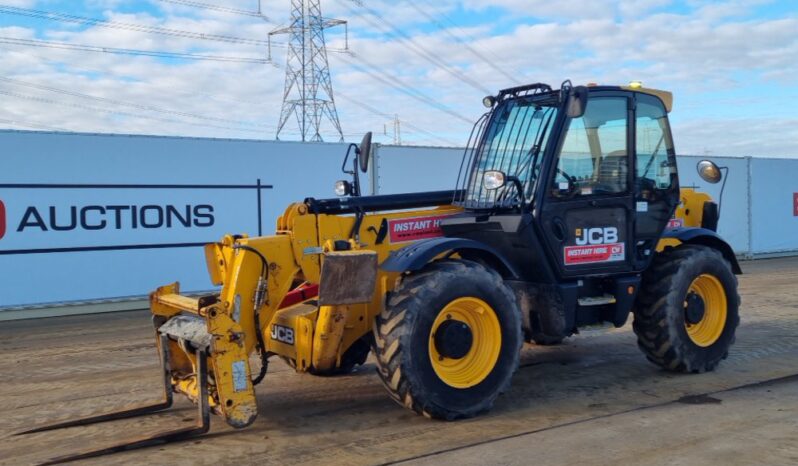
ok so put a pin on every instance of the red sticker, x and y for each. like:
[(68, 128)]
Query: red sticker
[(2, 219), (795, 204), (675, 223), (414, 229), (576, 255)]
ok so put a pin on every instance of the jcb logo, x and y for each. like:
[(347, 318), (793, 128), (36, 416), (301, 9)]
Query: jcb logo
[(607, 235), (283, 334), (2, 219)]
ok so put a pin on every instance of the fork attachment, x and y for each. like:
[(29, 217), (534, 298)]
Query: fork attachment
[(202, 425)]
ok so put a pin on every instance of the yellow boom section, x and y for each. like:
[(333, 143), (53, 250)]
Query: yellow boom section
[(256, 275)]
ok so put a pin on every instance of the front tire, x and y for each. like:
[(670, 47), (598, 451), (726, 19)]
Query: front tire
[(355, 356), (688, 310), (449, 340), (541, 338)]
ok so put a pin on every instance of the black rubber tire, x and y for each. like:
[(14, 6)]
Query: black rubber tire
[(541, 338), (544, 340), (355, 356), (402, 332), (659, 310)]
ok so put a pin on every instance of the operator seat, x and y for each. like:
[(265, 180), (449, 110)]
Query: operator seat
[(613, 171)]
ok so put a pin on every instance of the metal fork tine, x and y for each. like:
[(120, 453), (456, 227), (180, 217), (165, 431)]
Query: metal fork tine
[(125, 413), (202, 426)]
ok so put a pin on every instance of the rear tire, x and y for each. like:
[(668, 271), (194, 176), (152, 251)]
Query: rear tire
[(687, 311), (409, 345)]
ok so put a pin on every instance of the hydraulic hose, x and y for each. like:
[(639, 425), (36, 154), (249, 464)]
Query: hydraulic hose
[(264, 358)]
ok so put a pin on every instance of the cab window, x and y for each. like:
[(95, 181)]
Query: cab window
[(594, 156), (653, 144)]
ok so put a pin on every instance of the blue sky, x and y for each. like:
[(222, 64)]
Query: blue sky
[(732, 66)]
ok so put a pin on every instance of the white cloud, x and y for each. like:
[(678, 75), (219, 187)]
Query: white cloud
[(720, 47)]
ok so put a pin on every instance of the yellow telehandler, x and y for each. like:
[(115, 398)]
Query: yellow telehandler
[(567, 212)]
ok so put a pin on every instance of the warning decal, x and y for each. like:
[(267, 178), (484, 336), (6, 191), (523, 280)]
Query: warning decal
[(414, 229), (593, 254), (675, 223)]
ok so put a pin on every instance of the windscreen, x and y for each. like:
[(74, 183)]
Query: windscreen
[(511, 140)]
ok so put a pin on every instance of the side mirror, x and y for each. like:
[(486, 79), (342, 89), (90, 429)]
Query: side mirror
[(577, 102), (709, 171), (364, 152)]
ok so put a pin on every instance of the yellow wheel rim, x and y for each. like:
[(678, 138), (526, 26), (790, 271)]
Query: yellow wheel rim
[(481, 358), (707, 331)]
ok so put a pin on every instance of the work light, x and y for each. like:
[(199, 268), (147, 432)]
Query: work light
[(493, 179), (343, 188)]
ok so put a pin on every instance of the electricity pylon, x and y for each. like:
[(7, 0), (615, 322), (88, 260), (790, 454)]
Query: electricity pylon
[(308, 93)]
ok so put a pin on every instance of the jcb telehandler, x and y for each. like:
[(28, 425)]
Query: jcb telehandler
[(567, 213)]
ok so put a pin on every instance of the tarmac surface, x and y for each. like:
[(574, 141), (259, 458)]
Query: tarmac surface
[(592, 400)]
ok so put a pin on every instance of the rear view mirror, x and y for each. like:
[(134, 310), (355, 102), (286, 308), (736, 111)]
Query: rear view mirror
[(577, 102), (709, 172), (364, 152)]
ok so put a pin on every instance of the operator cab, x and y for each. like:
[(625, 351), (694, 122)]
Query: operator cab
[(584, 177)]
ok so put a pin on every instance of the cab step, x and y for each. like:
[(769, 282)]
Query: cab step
[(597, 300)]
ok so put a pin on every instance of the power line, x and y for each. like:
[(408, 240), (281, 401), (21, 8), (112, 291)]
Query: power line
[(117, 112), (377, 112), (29, 124), (395, 83), (407, 90), (121, 51), (171, 89), (63, 17), (413, 46), (338, 92), (462, 42), (223, 9), (402, 88), (138, 106)]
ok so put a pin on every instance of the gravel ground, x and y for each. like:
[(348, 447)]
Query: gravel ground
[(593, 400)]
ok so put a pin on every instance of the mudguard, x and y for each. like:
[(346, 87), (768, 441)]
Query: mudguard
[(414, 257), (705, 237)]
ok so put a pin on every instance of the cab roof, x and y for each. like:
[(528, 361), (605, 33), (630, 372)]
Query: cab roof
[(544, 89), (665, 96)]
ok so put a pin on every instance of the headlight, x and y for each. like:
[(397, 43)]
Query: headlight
[(343, 188), (489, 101), (493, 179)]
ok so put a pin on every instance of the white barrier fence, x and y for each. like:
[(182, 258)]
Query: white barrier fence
[(88, 217)]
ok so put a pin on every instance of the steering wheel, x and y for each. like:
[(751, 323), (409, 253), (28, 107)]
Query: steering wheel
[(571, 179), (568, 177)]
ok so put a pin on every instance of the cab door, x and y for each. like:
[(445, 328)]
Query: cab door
[(587, 214), (656, 178)]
